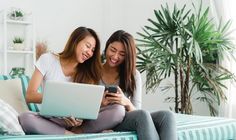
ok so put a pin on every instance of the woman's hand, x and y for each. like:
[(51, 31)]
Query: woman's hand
[(73, 122), (105, 101), (120, 98)]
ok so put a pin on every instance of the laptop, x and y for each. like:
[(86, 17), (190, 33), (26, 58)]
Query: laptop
[(65, 99)]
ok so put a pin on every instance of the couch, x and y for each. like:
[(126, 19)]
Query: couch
[(12, 102)]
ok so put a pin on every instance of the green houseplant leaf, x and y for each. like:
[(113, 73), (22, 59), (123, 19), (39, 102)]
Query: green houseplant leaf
[(189, 47)]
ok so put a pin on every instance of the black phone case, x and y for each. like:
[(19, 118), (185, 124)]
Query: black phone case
[(111, 89)]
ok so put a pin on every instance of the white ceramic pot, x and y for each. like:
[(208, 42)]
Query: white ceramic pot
[(18, 46)]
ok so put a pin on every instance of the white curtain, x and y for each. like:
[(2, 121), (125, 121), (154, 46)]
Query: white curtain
[(224, 10)]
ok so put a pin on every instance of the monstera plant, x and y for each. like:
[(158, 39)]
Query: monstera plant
[(186, 45)]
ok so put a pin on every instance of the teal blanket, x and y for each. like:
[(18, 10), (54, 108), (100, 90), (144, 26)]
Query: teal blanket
[(189, 127), (98, 136)]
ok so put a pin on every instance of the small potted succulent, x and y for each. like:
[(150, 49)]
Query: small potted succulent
[(18, 43), (16, 14)]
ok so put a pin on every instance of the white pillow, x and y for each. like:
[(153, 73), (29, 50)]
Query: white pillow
[(11, 93), (9, 124)]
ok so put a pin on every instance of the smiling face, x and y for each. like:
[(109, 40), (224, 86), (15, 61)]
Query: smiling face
[(115, 54), (120, 54), (85, 49)]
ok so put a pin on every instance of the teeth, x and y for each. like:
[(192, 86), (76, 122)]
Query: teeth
[(84, 57), (113, 61)]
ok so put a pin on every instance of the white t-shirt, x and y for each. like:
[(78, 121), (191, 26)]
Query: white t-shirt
[(49, 66)]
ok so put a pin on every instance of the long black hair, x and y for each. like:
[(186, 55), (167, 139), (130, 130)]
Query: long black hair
[(128, 68)]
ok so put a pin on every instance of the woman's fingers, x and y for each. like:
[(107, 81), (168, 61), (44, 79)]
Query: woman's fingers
[(112, 95), (78, 122), (71, 121), (68, 122), (114, 99), (119, 90), (104, 99)]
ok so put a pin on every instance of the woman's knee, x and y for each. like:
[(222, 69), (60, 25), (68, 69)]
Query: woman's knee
[(114, 113), (142, 115), (164, 113), (118, 113), (26, 120), (163, 116), (32, 123)]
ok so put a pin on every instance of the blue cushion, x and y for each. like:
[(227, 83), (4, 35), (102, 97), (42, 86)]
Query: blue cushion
[(24, 82)]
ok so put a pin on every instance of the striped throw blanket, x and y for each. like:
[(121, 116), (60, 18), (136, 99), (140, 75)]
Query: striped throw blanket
[(191, 127)]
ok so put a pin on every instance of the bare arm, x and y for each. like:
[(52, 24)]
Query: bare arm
[(32, 95)]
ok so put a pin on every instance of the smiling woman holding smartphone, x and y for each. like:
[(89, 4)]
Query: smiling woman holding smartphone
[(120, 70)]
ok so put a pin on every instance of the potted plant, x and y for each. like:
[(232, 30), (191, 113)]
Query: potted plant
[(18, 43), (17, 71), (16, 14), (187, 46)]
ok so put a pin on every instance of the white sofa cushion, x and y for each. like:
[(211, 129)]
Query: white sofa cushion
[(9, 124), (11, 93)]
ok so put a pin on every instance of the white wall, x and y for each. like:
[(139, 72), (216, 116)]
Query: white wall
[(56, 19)]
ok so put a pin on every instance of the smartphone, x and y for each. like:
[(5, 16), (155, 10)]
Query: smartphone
[(111, 88)]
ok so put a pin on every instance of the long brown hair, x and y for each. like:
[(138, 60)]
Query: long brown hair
[(90, 70), (128, 68)]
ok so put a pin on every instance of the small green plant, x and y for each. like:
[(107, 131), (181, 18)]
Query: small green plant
[(18, 40), (17, 13)]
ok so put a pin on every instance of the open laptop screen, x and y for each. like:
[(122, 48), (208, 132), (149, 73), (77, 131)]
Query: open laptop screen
[(64, 99)]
